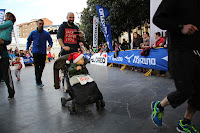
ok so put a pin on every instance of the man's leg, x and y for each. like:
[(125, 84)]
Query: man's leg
[(41, 67), (7, 77), (189, 112), (36, 65), (183, 79), (185, 125)]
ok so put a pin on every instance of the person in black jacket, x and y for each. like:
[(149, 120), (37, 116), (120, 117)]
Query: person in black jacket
[(180, 19), (69, 36)]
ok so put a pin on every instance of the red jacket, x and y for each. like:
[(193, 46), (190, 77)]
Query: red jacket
[(49, 55), (160, 40), (18, 65)]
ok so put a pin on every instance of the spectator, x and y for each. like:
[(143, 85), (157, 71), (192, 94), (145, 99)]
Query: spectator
[(17, 52), (27, 54), (22, 53), (82, 47), (49, 56), (13, 54), (99, 48), (10, 55), (95, 50), (137, 40), (135, 44), (145, 44), (146, 40), (125, 45), (106, 48), (54, 56), (91, 50), (117, 49), (158, 40)]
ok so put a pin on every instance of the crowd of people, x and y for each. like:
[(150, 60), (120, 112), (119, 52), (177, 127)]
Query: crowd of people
[(19, 53)]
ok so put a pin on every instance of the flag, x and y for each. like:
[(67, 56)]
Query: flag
[(2, 12), (95, 31), (103, 15)]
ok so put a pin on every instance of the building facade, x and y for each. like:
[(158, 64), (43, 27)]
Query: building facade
[(26, 28)]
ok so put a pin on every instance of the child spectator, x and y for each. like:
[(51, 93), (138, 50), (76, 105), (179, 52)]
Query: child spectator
[(18, 66), (49, 56), (54, 56), (13, 54)]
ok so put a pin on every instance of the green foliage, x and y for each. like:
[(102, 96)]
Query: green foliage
[(124, 16)]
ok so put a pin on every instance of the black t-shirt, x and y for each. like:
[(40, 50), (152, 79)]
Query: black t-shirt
[(66, 33)]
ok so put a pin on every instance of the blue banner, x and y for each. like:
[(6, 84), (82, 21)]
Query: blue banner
[(28, 60), (103, 15), (157, 59), (2, 12)]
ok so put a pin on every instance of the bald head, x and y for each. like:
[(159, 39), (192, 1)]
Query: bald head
[(70, 17)]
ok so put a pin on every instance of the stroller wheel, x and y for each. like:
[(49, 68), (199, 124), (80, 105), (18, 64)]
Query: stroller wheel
[(100, 104), (72, 109), (63, 101)]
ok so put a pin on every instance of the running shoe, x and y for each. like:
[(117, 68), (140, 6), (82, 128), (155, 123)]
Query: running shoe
[(187, 128), (41, 85), (156, 114), (10, 97)]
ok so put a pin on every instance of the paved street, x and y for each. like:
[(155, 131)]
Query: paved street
[(127, 94)]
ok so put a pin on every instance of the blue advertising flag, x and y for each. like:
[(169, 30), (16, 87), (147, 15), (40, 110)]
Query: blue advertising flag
[(2, 12), (103, 15)]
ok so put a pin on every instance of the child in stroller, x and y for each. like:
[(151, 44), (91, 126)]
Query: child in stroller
[(83, 90)]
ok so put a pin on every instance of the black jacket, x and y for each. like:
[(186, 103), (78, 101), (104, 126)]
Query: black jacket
[(72, 70), (173, 13)]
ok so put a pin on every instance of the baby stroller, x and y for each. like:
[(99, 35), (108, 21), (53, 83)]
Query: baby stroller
[(82, 95)]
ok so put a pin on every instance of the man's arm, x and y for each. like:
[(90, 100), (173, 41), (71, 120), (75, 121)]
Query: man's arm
[(29, 41), (81, 36), (66, 48), (50, 40)]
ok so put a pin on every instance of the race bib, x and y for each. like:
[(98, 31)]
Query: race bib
[(83, 79)]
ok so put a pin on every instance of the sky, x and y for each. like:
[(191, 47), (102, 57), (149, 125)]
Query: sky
[(54, 10)]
